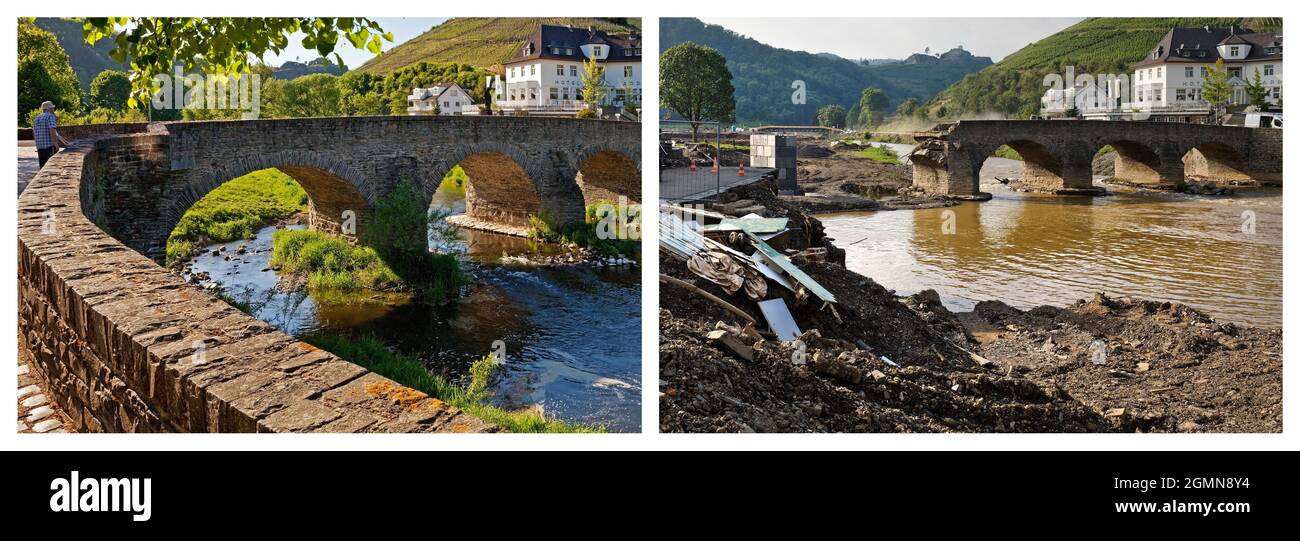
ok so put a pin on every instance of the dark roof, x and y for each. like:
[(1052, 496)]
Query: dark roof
[(565, 43), (1200, 44)]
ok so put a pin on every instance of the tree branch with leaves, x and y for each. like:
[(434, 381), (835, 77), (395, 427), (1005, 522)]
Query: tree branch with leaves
[(152, 46)]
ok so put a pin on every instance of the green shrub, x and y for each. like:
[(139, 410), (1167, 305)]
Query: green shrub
[(614, 242), (330, 263), (470, 396), (398, 229)]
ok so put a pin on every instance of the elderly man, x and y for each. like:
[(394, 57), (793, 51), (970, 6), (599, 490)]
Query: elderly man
[(46, 134)]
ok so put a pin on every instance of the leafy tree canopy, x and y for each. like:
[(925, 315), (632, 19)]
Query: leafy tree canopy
[(832, 116), (110, 90), (694, 82), (219, 45), (44, 72)]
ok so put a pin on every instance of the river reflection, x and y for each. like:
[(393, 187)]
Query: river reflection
[(1029, 250)]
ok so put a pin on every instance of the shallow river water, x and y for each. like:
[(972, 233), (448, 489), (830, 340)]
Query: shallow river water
[(1029, 250), (572, 334)]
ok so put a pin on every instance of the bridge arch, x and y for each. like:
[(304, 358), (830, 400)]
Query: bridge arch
[(1214, 161), (1135, 161), (605, 174), (333, 189), (1040, 169), (504, 186)]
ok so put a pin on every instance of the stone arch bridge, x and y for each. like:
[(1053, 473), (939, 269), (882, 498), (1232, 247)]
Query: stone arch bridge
[(127, 346), (1058, 154), (518, 166)]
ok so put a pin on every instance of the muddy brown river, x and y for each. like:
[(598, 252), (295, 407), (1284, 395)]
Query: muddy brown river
[(1220, 254)]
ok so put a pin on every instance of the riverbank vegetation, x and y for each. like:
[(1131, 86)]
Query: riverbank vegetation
[(235, 210), (453, 183), (471, 394), (1007, 152), (394, 255), (328, 262), (878, 154), (607, 230)]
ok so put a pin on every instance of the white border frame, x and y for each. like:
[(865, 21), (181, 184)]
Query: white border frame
[(649, 11)]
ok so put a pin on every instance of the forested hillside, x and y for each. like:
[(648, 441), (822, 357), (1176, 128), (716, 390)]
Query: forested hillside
[(1014, 85), (762, 74)]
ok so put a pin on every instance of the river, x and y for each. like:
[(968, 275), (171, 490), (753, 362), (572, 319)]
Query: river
[(572, 333), (1029, 250)]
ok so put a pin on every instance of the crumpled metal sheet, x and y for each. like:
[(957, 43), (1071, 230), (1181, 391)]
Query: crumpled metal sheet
[(722, 269)]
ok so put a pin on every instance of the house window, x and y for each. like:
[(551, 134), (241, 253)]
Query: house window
[(595, 51), (566, 94), (446, 103), (1188, 72), (559, 69), (573, 71), (1232, 51), (1204, 71), (1180, 94), (532, 70), (627, 72), (1268, 69), (555, 93), (532, 94), (1160, 72)]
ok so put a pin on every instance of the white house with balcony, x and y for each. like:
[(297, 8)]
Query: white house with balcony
[(1168, 84), (442, 99), (545, 75)]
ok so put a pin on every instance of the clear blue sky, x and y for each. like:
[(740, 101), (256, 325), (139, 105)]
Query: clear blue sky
[(403, 28), (883, 37)]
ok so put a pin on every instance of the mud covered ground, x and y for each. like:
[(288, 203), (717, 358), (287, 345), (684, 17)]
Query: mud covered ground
[(882, 363)]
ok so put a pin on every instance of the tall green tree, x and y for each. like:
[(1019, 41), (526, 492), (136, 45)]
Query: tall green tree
[(872, 106), (110, 90), (1216, 89), (594, 88), (44, 72), (219, 45), (831, 116), (1256, 91), (694, 82), (911, 107)]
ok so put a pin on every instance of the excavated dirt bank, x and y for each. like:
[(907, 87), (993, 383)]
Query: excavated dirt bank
[(881, 363)]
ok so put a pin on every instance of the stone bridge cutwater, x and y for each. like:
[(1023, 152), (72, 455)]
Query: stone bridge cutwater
[(128, 346), (1058, 154)]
